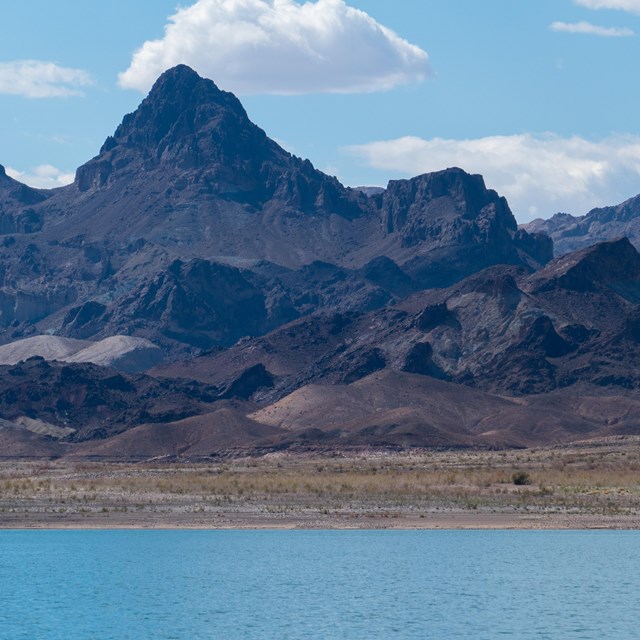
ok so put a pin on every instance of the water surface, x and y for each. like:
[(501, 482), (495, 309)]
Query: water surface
[(319, 584)]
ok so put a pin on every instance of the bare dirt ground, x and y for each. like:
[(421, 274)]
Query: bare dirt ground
[(590, 485)]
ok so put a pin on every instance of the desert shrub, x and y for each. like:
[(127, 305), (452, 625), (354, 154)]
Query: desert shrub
[(521, 478)]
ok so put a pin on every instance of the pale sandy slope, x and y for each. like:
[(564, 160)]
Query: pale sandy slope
[(125, 353)]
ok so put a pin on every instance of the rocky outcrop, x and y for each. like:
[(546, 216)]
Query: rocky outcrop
[(434, 316), (198, 303), (419, 359), (250, 381), (460, 226), (387, 274), (613, 266), (17, 214), (421, 207), (94, 401)]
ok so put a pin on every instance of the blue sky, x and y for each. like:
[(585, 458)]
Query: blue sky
[(540, 96)]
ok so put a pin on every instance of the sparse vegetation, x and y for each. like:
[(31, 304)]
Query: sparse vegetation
[(372, 489)]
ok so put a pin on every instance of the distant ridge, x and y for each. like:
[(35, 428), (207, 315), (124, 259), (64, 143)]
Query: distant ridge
[(570, 233)]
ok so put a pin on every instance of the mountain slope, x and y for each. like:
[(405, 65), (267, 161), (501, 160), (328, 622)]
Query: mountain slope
[(385, 409), (503, 330), (400, 409), (189, 203)]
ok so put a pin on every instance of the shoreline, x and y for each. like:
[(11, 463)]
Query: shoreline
[(581, 486), (457, 522)]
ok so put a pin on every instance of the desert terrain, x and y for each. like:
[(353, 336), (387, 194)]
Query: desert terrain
[(584, 485)]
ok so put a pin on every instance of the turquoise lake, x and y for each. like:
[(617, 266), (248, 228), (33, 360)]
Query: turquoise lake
[(319, 584)]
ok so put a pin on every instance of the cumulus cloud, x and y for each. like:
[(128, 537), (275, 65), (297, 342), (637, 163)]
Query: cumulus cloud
[(37, 79), (44, 176), (633, 6), (539, 175), (591, 29), (280, 47)]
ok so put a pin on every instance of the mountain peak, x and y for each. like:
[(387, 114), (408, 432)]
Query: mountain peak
[(466, 226), (16, 201), (180, 104), (186, 122), (182, 86), (179, 73), (193, 137), (614, 264)]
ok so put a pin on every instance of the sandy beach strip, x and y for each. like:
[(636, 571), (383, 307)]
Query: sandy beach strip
[(454, 520)]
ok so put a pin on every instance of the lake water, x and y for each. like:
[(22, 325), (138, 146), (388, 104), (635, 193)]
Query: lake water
[(319, 584)]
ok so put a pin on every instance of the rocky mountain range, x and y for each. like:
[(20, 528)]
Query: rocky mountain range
[(192, 228), (570, 233), (271, 307)]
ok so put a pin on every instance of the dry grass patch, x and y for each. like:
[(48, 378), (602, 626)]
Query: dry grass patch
[(591, 479)]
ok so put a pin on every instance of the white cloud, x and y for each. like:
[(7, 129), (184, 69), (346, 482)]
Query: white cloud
[(591, 29), (280, 47), (44, 176), (37, 79), (633, 6), (539, 175)]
